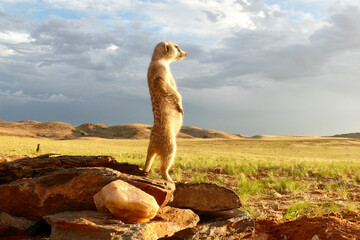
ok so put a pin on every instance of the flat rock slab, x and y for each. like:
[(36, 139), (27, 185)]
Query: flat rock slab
[(161, 190), (184, 218), (204, 197), (65, 190), (239, 226), (45, 164), (93, 225), (16, 222), (11, 225)]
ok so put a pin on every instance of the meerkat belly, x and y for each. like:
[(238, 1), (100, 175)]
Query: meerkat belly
[(167, 117)]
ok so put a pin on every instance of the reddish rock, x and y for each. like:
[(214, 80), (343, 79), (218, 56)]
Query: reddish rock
[(161, 190), (99, 225), (16, 222), (42, 165), (204, 197), (65, 190), (182, 217), (70, 190), (229, 225)]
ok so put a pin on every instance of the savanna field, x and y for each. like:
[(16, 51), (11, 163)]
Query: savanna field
[(276, 177)]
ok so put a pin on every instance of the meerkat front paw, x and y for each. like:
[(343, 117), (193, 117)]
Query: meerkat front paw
[(180, 109)]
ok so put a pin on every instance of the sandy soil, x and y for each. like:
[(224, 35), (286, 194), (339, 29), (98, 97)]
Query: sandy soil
[(333, 226)]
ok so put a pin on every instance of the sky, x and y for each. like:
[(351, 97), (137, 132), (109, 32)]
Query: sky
[(287, 67)]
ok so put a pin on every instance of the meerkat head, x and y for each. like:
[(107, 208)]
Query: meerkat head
[(168, 51)]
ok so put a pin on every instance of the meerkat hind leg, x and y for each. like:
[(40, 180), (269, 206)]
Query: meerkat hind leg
[(165, 164), (149, 159)]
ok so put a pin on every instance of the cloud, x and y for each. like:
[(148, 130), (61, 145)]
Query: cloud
[(286, 54), (21, 97), (15, 37), (249, 61)]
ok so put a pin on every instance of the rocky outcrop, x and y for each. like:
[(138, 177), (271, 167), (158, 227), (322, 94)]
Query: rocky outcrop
[(205, 197), (42, 165), (70, 190), (99, 225), (62, 188)]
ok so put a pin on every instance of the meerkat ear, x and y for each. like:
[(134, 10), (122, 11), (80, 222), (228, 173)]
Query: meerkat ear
[(167, 47)]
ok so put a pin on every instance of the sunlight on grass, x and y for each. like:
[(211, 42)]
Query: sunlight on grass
[(298, 209)]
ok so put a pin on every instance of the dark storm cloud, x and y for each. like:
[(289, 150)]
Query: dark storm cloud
[(69, 70), (60, 51)]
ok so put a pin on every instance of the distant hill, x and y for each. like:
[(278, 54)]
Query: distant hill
[(348, 135), (59, 130)]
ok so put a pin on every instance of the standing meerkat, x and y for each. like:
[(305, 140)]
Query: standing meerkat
[(166, 107)]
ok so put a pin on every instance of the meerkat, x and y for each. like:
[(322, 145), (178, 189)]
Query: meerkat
[(166, 106)]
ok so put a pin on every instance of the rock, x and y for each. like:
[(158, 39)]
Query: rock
[(3, 158), (126, 202), (70, 190), (239, 226), (16, 222), (206, 217), (315, 237), (181, 217), (161, 190), (42, 165), (10, 225), (92, 225), (65, 190), (204, 197)]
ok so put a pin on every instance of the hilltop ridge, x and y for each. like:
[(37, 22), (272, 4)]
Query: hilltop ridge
[(60, 130)]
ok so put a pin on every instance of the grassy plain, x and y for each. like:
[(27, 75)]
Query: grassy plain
[(275, 176)]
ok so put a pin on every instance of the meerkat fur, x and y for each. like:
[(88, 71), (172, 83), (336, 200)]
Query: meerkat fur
[(166, 106)]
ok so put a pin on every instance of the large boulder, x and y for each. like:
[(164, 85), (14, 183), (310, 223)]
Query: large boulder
[(92, 225), (126, 202), (65, 190), (204, 197)]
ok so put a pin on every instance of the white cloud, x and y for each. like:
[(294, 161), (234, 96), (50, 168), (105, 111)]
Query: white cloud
[(4, 51), (15, 37), (21, 97)]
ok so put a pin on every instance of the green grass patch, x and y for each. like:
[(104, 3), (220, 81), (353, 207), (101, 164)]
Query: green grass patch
[(300, 208)]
